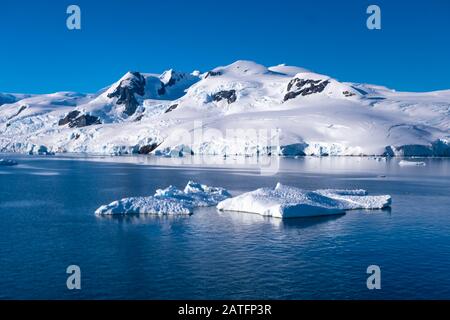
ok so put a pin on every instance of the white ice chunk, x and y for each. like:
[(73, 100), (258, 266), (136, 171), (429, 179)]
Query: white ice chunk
[(143, 205), (406, 163), (290, 202), (7, 162), (168, 201)]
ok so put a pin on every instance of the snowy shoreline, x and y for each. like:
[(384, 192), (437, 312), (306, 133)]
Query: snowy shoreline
[(247, 156)]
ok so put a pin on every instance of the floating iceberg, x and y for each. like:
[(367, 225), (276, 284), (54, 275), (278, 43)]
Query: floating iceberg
[(405, 163), (289, 202), (7, 162), (169, 201)]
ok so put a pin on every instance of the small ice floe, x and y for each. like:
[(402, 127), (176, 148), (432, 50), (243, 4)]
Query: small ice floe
[(169, 201), (8, 162), (290, 202), (406, 163)]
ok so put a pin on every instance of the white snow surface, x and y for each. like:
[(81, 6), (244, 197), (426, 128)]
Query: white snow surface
[(290, 202), (408, 163), (239, 109), (169, 201)]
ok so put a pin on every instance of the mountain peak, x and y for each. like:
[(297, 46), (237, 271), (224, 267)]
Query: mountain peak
[(243, 67), (129, 85)]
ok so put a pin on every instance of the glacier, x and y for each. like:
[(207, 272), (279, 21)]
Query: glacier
[(240, 109), (290, 202), (169, 201)]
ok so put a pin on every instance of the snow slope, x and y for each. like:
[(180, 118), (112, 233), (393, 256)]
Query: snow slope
[(240, 109)]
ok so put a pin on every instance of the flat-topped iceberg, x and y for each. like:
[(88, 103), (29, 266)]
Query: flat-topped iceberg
[(169, 201), (290, 202), (7, 162)]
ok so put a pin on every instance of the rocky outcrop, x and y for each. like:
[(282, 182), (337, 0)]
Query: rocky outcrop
[(171, 108), (69, 117), (213, 74), (127, 89), (304, 87), (348, 94), (84, 121), (22, 108), (75, 120), (170, 78), (229, 95), (147, 148)]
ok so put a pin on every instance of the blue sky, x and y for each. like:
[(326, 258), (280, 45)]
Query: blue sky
[(39, 54)]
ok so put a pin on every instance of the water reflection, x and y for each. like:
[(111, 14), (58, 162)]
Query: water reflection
[(244, 218), (309, 221), (144, 218)]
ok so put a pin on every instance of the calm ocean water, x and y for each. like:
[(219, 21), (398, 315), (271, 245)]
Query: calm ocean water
[(47, 223)]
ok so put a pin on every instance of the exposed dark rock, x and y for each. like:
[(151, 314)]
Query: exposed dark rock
[(126, 90), (304, 87), (171, 108), (75, 120), (348, 93), (139, 118), (213, 74), (72, 115), (147, 148), (162, 91), (22, 108), (299, 83), (173, 79), (84, 121), (229, 95)]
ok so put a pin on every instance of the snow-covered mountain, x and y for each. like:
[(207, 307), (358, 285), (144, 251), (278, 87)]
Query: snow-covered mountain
[(240, 109)]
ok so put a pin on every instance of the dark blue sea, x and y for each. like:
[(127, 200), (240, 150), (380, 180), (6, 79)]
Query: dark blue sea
[(47, 223)]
